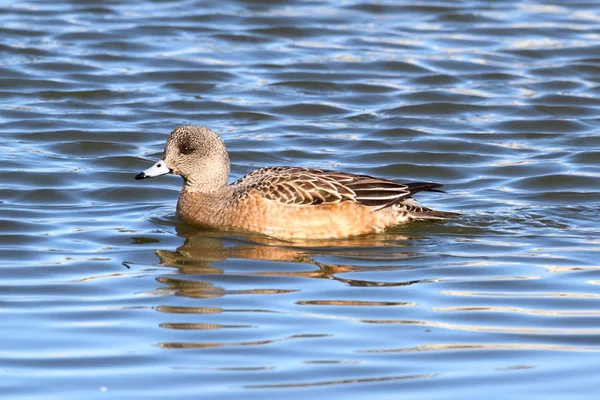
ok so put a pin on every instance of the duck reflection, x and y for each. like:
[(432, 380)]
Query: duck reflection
[(204, 248), (202, 263)]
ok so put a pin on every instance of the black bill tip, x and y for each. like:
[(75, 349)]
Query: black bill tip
[(141, 175)]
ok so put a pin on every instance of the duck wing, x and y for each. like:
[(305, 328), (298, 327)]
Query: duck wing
[(305, 186)]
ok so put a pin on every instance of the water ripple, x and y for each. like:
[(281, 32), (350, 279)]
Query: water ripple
[(104, 290)]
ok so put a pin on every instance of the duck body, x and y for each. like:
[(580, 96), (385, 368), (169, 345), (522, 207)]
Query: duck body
[(283, 202)]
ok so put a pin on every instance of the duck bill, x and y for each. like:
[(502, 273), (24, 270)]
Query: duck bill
[(158, 169)]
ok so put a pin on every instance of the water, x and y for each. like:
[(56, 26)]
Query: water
[(104, 293)]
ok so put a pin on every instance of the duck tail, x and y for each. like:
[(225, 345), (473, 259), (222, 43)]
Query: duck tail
[(418, 212), (416, 187)]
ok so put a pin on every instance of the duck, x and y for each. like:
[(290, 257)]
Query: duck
[(283, 202)]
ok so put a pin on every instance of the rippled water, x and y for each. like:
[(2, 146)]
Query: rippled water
[(103, 292)]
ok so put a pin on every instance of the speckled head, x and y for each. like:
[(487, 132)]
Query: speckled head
[(197, 154)]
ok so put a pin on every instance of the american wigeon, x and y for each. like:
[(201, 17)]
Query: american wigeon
[(283, 202)]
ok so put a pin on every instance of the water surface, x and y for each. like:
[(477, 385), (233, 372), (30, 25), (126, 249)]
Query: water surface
[(105, 293)]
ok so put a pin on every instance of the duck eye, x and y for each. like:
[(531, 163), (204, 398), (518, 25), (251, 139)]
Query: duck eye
[(186, 149)]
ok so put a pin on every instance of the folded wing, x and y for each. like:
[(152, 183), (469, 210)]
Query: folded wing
[(304, 186)]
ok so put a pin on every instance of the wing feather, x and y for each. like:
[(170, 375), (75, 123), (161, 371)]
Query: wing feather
[(304, 186)]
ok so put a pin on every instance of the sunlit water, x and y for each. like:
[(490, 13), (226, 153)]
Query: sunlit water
[(104, 293)]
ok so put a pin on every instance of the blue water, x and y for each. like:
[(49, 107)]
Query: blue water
[(103, 292)]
